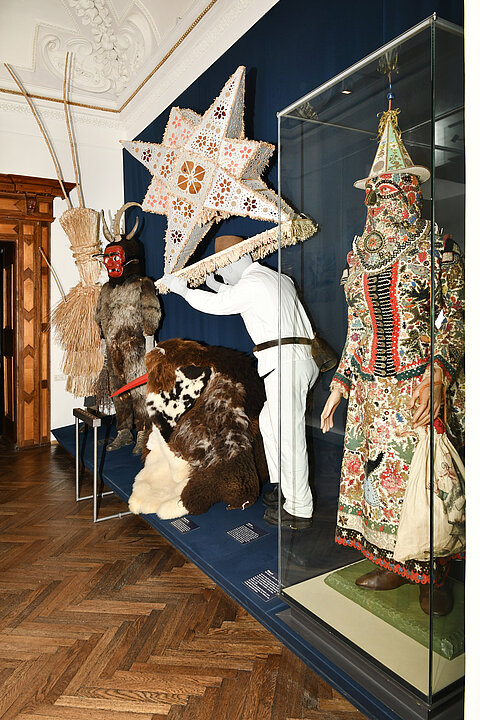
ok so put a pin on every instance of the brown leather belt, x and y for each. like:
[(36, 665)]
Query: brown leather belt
[(283, 341)]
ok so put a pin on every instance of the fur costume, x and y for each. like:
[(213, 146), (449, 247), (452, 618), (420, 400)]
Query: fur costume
[(205, 446), (128, 311)]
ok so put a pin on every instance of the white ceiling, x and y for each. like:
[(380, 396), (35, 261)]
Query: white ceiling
[(116, 44)]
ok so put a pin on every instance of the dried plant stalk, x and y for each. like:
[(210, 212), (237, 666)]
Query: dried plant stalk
[(43, 131), (73, 145)]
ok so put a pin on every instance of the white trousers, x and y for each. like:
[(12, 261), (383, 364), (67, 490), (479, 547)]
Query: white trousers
[(297, 378)]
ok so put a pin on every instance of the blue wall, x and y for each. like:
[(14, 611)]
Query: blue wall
[(294, 48)]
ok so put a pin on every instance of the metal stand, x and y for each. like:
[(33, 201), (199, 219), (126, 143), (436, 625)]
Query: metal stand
[(94, 421)]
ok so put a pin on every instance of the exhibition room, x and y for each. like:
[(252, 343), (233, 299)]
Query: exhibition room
[(235, 292)]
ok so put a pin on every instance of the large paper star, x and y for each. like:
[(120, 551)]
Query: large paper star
[(205, 170)]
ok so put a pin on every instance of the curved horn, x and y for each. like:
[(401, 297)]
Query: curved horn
[(108, 235), (118, 215), (132, 232)]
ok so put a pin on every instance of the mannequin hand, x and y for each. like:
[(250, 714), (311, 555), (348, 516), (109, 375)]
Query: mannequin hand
[(421, 395), (326, 418), (175, 284), (212, 283)]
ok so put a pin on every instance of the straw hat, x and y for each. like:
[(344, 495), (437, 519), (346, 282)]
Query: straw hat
[(226, 241)]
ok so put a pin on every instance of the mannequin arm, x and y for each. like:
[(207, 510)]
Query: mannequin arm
[(421, 395), (326, 418), (150, 307)]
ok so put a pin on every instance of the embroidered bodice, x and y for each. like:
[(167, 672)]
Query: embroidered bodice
[(388, 289), (389, 313)]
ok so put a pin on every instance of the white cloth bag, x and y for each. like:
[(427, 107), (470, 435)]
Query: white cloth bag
[(413, 535)]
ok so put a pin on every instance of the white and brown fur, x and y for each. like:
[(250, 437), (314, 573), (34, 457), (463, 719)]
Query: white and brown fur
[(208, 448)]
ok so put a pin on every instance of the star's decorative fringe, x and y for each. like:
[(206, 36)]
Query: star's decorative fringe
[(259, 246)]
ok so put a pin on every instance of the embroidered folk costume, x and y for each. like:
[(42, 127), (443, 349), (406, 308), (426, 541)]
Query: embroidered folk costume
[(387, 286)]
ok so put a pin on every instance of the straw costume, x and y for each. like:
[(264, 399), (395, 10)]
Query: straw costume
[(74, 316)]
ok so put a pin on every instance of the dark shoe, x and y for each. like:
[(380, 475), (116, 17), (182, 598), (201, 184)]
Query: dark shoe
[(380, 579), (270, 498), (123, 438), (442, 599), (286, 520), (141, 437)]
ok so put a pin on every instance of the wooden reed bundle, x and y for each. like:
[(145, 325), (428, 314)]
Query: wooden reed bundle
[(74, 317)]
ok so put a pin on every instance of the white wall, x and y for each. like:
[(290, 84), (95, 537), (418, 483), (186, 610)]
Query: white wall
[(23, 152)]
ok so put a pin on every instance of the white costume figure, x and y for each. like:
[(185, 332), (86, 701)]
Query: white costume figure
[(251, 290)]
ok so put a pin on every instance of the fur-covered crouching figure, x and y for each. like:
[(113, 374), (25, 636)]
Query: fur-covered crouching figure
[(204, 446)]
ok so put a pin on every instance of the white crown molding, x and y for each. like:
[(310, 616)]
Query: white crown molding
[(48, 113), (224, 24)]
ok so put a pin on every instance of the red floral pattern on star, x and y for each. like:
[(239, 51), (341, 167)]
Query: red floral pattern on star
[(249, 204), (220, 112), (176, 236)]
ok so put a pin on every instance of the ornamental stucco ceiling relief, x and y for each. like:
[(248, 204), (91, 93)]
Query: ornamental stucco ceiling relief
[(115, 44), (135, 56), (108, 53)]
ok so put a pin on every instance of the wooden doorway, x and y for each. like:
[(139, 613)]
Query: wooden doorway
[(26, 214)]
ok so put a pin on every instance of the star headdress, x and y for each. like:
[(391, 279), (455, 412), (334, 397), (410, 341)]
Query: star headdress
[(392, 156)]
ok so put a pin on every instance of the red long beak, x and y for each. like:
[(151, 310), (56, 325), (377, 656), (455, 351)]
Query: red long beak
[(132, 384)]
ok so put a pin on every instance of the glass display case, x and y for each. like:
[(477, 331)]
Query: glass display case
[(373, 584)]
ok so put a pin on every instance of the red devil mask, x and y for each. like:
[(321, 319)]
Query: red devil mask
[(114, 259)]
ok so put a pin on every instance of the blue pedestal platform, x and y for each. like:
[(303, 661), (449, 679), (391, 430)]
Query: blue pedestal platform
[(225, 560)]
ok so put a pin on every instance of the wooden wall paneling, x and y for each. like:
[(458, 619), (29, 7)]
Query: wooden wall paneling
[(44, 332), (31, 333)]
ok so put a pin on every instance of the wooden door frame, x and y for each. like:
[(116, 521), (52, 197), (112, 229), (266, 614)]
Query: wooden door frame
[(26, 215)]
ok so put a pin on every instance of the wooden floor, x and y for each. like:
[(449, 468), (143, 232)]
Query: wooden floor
[(111, 622)]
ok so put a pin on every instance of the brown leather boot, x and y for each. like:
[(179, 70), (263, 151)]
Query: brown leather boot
[(442, 599), (381, 579)]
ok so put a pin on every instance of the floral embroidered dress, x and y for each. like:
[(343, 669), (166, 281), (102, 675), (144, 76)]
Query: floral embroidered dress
[(387, 351)]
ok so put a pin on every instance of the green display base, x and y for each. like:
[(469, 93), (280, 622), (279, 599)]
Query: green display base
[(401, 609)]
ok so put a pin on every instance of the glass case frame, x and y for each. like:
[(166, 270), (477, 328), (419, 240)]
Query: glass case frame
[(327, 140)]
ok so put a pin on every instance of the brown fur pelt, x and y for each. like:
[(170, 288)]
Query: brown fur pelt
[(205, 446), (125, 314)]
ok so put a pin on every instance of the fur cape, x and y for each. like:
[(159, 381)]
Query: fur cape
[(205, 445)]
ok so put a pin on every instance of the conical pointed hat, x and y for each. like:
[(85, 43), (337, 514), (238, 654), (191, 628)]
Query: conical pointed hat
[(392, 155)]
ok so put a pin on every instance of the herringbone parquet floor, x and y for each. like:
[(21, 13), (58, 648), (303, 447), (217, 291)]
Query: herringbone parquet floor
[(109, 622)]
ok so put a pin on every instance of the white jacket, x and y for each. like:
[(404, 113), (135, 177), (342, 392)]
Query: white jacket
[(256, 298)]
